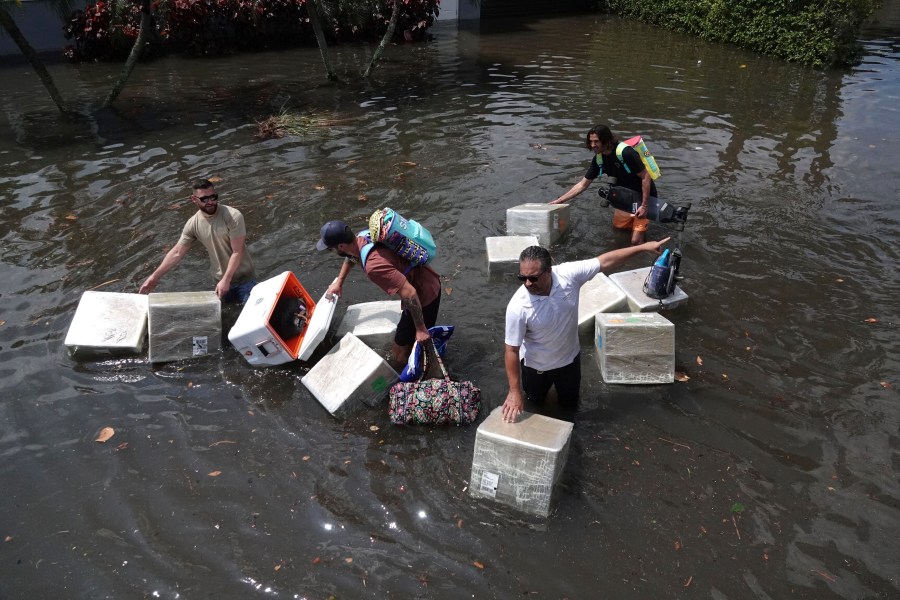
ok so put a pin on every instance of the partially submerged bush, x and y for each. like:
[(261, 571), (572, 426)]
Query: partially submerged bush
[(813, 32), (216, 27)]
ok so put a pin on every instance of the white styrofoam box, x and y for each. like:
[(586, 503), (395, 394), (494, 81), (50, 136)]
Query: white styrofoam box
[(503, 251), (547, 221), (635, 348), (632, 283), (108, 322), (319, 324), (184, 325), (596, 296), (519, 463), (351, 373), (257, 335), (372, 322)]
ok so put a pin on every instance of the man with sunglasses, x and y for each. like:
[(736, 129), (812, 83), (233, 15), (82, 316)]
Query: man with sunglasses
[(221, 230), (542, 346)]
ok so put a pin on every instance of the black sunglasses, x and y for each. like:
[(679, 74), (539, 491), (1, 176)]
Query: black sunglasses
[(206, 199), (530, 278)]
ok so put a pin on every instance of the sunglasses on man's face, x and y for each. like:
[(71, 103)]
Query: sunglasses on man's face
[(207, 199), (530, 278)]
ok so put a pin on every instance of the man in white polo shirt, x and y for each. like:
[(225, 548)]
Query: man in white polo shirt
[(542, 348)]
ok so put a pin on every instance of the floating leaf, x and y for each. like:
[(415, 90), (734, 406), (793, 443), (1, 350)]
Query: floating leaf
[(737, 507), (459, 524), (373, 427), (699, 361), (316, 560), (307, 457), (839, 280), (2, 322), (215, 179), (319, 187), (348, 560), (477, 564), (362, 198), (105, 434), (724, 376), (214, 473), (406, 164), (8, 538), (679, 376), (278, 567), (122, 446), (871, 320), (887, 385), (71, 218), (448, 290)]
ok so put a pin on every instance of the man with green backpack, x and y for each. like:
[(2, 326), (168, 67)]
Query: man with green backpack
[(618, 160), (394, 253)]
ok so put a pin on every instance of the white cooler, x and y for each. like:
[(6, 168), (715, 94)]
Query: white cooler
[(257, 340)]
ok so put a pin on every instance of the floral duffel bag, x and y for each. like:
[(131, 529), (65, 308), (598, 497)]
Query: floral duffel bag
[(434, 401)]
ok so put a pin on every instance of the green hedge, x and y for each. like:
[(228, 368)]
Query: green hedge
[(819, 33)]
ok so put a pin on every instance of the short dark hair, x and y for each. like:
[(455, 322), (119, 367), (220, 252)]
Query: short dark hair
[(536, 253), (202, 184), (603, 134)]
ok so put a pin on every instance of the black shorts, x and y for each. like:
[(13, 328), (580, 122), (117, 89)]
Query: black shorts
[(567, 380), (406, 329)]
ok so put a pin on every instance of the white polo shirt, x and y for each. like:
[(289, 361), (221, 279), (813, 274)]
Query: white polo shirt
[(546, 327)]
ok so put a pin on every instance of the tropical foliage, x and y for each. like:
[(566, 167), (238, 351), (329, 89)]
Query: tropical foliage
[(819, 33), (107, 30)]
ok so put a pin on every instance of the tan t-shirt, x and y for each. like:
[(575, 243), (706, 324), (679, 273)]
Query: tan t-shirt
[(216, 233)]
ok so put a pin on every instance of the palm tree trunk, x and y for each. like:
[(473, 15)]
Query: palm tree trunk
[(133, 56), (395, 14), (13, 30), (313, 11)]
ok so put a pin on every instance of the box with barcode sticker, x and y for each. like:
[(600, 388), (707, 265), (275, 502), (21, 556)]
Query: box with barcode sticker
[(518, 464), (184, 325)]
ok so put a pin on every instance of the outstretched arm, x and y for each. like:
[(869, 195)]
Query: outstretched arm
[(411, 303), (172, 258), (514, 403), (614, 258), (337, 286), (573, 191)]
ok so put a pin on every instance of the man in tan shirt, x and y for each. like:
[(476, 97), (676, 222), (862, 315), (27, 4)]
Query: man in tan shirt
[(222, 232)]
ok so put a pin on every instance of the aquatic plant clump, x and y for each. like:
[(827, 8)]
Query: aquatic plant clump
[(286, 123)]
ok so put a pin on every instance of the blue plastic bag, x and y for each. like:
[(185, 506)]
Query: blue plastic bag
[(416, 363)]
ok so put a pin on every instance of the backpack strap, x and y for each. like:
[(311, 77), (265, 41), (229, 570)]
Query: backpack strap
[(365, 250), (620, 149)]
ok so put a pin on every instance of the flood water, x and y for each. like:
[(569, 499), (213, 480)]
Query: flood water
[(771, 473)]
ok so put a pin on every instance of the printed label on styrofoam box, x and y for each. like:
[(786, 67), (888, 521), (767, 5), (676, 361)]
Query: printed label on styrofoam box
[(200, 346), (489, 483)]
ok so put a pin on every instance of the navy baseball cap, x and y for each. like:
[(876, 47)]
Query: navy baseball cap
[(334, 233)]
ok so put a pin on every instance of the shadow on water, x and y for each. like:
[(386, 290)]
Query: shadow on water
[(770, 473)]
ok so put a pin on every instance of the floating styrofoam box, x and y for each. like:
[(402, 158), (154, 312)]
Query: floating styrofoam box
[(519, 463), (503, 252), (373, 322), (635, 348), (596, 296), (107, 323), (267, 332), (546, 221), (351, 373), (632, 283), (184, 325)]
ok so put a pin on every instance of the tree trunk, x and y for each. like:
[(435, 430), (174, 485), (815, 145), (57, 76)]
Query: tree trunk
[(320, 37), (395, 14), (13, 30), (133, 56)]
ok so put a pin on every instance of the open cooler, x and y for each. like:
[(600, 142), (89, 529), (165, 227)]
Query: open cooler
[(277, 319)]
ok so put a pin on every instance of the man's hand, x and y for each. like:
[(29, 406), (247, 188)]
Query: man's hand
[(222, 288), (334, 290), (641, 212), (422, 336), (656, 247), (557, 201), (513, 406), (148, 286)]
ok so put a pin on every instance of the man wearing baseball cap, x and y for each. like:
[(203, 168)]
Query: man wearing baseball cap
[(419, 287)]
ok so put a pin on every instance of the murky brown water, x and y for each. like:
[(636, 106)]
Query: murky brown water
[(791, 247)]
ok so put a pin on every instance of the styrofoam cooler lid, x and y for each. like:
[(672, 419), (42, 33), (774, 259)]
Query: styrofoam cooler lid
[(318, 326)]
